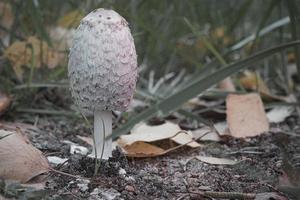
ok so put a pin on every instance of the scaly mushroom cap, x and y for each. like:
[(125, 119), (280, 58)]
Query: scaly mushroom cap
[(102, 63)]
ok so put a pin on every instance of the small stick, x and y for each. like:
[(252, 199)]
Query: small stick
[(223, 195)]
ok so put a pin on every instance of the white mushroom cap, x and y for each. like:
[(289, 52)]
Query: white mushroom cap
[(102, 63)]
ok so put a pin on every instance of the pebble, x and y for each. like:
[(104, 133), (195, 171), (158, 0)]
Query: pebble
[(104, 194), (129, 188)]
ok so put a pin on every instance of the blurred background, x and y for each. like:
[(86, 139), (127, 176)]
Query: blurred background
[(177, 42)]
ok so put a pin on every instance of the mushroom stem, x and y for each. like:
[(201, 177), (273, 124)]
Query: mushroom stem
[(102, 130)]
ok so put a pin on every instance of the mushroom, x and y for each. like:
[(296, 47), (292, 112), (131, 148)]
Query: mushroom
[(102, 70)]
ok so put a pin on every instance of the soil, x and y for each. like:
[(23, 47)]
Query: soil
[(177, 175)]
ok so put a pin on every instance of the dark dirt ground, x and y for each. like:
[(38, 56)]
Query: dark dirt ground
[(177, 175)]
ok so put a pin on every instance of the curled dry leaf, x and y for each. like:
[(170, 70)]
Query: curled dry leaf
[(87, 140), (33, 50), (206, 134), (279, 113), (137, 143), (222, 128), (168, 130), (246, 116), (227, 85), (253, 81), (4, 102), (216, 161), (20, 161), (142, 149)]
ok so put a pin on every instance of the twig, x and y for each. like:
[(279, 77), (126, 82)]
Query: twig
[(228, 195), (223, 195), (67, 174), (46, 112)]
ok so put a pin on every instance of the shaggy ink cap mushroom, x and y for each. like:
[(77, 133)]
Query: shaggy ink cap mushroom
[(102, 63), (102, 70)]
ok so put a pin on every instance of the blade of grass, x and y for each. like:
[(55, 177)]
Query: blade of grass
[(41, 85), (174, 101), (37, 20), (240, 15), (4, 136), (268, 29), (294, 12), (47, 112), (263, 21), (207, 44)]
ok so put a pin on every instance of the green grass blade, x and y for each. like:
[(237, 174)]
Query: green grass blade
[(294, 9), (268, 29), (207, 44), (174, 101), (263, 21)]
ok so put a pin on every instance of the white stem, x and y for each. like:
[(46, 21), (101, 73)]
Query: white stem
[(102, 129)]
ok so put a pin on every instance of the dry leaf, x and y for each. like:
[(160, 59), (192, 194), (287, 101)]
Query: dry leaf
[(279, 113), (71, 19), (222, 128), (168, 130), (20, 161), (253, 81), (56, 160), (6, 21), (246, 116), (142, 149), (135, 144), (4, 102), (61, 37), (87, 140), (216, 161), (227, 85), (206, 134), (31, 51)]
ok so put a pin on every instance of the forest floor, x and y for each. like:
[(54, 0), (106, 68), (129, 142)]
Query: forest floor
[(264, 167)]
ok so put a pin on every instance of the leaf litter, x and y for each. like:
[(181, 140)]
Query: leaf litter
[(5, 101), (32, 53), (137, 144), (20, 161)]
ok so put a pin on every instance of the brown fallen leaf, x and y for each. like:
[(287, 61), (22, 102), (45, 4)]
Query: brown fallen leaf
[(253, 81), (206, 134), (87, 140), (21, 53), (246, 116), (71, 19), (137, 143), (227, 85), (4, 102), (20, 161), (216, 161), (168, 130), (142, 149)]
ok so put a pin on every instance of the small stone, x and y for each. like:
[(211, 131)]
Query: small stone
[(104, 194), (122, 172), (129, 188)]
